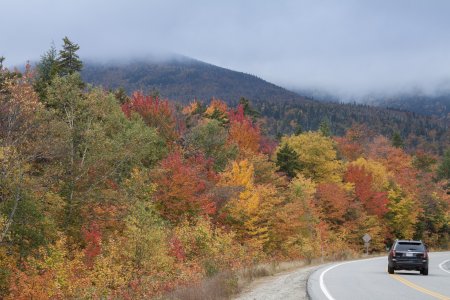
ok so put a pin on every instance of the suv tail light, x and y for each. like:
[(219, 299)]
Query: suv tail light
[(425, 254), (393, 252)]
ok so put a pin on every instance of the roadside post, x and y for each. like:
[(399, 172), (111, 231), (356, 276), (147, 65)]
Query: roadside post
[(366, 238)]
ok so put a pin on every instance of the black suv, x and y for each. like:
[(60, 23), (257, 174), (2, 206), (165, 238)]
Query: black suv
[(408, 255)]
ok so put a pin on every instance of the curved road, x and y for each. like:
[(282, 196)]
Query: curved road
[(368, 279)]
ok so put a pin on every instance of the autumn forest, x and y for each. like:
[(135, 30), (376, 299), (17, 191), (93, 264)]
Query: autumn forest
[(108, 195)]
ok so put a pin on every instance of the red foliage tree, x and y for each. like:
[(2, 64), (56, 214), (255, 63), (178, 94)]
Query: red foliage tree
[(374, 202), (397, 162), (155, 112), (183, 187), (176, 249), (93, 239), (333, 203)]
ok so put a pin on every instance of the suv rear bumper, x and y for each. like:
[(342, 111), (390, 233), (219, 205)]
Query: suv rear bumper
[(409, 265)]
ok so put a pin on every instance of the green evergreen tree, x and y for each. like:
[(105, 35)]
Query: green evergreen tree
[(324, 127), (219, 116), (397, 140), (47, 69), (287, 161), (68, 60), (248, 109), (298, 130), (121, 95)]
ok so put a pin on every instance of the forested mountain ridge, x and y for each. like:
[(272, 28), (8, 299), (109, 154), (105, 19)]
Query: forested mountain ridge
[(435, 104), (183, 79), (438, 105)]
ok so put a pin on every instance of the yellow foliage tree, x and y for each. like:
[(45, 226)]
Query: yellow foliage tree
[(295, 220), (191, 108), (402, 214), (380, 174), (251, 212), (212, 248), (218, 110), (316, 155)]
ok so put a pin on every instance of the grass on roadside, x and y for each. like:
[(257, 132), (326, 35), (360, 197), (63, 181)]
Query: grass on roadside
[(226, 285)]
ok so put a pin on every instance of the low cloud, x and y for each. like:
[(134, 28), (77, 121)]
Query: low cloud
[(347, 47)]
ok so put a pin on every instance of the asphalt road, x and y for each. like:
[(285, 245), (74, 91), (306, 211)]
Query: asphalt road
[(368, 279)]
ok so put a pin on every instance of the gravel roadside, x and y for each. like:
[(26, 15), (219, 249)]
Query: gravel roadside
[(288, 285)]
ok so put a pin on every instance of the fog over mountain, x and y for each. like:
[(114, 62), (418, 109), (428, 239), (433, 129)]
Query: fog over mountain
[(435, 102), (183, 79), (346, 47)]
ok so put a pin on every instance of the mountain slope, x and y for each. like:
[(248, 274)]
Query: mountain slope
[(437, 105), (185, 79), (429, 105)]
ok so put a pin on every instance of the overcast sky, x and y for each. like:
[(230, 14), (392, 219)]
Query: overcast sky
[(341, 46)]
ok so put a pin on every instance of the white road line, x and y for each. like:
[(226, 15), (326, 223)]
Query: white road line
[(441, 266), (321, 282)]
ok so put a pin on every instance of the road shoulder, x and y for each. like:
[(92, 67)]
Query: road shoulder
[(287, 285)]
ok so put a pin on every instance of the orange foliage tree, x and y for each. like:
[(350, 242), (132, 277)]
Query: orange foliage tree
[(333, 203), (374, 202), (218, 110), (183, 187), (243, 132)]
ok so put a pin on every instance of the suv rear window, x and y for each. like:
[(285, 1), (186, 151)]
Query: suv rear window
[(405, 246)]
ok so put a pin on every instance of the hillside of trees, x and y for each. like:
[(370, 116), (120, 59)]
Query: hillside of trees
[(105, 196), (184, 79), (438, 105), (417, 131), (283, 112)]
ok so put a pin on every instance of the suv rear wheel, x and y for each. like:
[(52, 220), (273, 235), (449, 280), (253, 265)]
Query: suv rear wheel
[(390, 270), (424, 271)]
